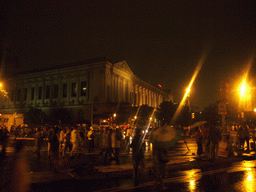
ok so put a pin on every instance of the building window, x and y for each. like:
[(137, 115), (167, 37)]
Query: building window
[(73, 89), (83, 88), (32, 93), (25, 94), (18, 94), (65, 90), (47, 92), (56, 91), (40, 92)]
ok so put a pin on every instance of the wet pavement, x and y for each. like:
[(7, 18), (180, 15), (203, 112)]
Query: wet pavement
[(88, 168)]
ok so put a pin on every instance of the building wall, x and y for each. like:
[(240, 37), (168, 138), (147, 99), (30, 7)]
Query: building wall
[(77, 86)]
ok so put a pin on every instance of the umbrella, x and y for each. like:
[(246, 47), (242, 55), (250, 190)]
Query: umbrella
[(165, 136), (23, 125), (198, 124)]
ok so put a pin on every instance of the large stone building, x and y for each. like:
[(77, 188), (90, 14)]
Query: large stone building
[(77, 86)]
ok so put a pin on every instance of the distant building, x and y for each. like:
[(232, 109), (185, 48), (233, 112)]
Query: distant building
[(76, 86), (9, 120)]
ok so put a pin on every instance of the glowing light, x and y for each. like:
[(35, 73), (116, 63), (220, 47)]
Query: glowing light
[(243, 89), (198, 68), (192, 185)]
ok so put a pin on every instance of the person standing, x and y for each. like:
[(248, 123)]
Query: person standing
[(137, 154), (241, 136), (91, 137), (214, 138), (67, 142), (38, 142), (54, 149), (106, 142), (206, 144), (75, 139), (61, 140), (115, 145), (83, 140), (247, 138), (160, 158), (199, 141), (4, 134)]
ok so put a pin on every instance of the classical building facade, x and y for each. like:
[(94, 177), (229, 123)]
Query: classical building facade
[(88, 87)]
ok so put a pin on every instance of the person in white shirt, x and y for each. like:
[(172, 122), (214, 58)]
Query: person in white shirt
[(75, 139)]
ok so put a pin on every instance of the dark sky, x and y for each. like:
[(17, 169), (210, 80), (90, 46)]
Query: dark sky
[(162, 41)]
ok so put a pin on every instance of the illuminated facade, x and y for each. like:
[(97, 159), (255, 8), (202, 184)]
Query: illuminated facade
[(76, 86)]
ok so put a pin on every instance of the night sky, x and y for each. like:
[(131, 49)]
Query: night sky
[(162, 41)]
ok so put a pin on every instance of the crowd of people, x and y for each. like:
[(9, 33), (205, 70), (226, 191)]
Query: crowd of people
[(72, 140), (209, 136), (69, 141)]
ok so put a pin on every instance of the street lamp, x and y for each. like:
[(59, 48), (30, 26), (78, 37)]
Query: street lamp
[(3, 90), (244, 92)]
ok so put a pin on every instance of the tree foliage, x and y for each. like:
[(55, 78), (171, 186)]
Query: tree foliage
[(165, 112), (210, 114), (62, 115), (144, 115)]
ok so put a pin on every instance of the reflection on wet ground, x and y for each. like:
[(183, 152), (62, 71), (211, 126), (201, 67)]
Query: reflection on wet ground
[(240, 176)]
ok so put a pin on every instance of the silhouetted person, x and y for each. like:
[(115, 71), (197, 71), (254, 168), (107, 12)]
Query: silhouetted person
[(91, 137), (137, 154), (199, 141), (214, 138), (38, 142)]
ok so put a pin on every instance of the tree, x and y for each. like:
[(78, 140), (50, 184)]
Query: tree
[(144, 114), (165, 112), (124, 112), (210, 114), (62, 115)]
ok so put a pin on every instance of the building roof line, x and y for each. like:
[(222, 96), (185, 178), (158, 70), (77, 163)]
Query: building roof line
[(75, 64)]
